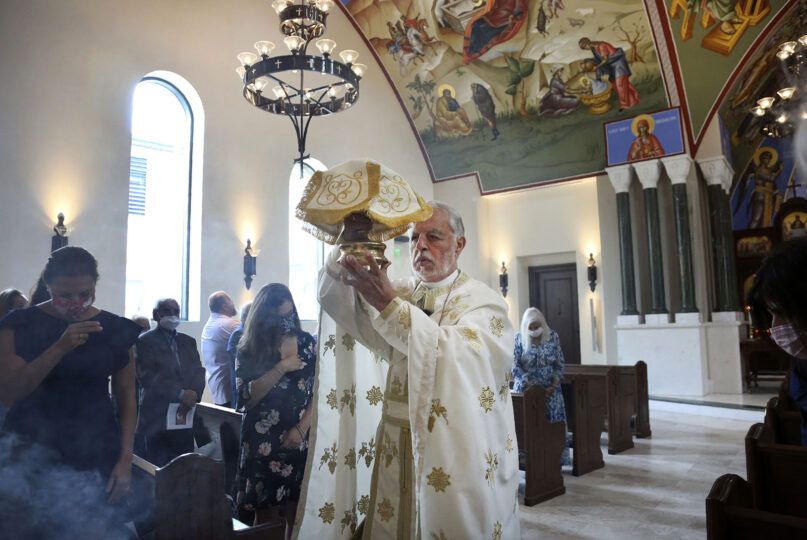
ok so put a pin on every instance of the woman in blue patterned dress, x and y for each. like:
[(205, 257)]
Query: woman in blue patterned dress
[(537, 359), (274, 371)]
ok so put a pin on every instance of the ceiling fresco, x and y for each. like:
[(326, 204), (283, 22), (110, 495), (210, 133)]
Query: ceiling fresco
[(766, 169), (710, 39), (518, 91)]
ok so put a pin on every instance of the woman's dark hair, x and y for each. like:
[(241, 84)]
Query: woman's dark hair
[(262, 329), (70, 261), (780, 286), (39, 292), (7, 298)]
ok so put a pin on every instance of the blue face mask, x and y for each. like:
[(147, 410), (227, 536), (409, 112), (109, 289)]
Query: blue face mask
[(288, 322)]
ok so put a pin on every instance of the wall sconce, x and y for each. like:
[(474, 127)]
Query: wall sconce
[(503, 279), (59, 240), (592, 272), (250, 264)]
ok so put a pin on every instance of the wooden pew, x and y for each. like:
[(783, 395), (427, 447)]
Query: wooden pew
[(189, 503), (224, 425), (632, 381), (621, 386), (730, 515), (586, 398), (784, 423), (777, 473), (542, 443)]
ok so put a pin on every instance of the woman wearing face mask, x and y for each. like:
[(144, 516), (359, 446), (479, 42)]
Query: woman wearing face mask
[(56, 360), (274, 371), (778, 299), (537, 359)]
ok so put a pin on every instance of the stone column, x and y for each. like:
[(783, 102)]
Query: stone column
[(648, 173), (678, 169), (621, 177), (718, 174)]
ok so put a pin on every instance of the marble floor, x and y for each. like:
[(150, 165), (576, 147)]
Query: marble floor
[(655, 490)]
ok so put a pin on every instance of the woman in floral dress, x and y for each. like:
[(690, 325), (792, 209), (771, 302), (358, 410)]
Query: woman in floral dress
[(275, 378), (537, 359)]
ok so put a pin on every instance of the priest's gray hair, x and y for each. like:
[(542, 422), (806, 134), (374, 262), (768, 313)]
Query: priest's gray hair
[(530, 315), (454, 217)]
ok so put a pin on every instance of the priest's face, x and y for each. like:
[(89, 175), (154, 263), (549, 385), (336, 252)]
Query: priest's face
[(435, 248)]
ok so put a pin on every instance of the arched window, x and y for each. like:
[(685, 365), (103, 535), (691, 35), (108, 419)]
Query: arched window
[(164, 183), (306, 253)]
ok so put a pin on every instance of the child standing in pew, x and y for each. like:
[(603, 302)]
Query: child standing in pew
[(778, 300), (538, 359)]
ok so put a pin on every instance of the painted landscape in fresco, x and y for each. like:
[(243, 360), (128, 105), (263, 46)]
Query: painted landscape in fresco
[(711, 37), (504, 87)]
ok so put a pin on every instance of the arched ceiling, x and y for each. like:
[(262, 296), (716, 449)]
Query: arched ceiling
[(504, 118)]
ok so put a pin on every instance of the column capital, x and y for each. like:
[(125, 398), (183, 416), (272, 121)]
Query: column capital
[(717, 171), (621, 177), (648, 172), (678, 168)]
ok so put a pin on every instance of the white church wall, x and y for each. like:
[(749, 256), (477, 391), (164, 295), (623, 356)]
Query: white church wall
[(65, 140), (555, 224), (463, 195)]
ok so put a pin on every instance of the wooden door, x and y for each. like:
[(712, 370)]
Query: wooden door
[(553, 290)]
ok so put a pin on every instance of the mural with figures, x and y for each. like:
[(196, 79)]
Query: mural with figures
[(515, 90), (710, 38), (766, 173), (771, 178)]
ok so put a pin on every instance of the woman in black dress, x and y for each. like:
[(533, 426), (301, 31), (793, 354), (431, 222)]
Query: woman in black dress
[(275, 379), (56, 360)]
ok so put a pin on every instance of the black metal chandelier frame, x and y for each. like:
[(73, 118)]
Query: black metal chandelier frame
[(298, 103)]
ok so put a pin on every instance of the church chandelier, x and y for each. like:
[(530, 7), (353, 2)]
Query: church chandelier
[(780, 111), (299, 85)]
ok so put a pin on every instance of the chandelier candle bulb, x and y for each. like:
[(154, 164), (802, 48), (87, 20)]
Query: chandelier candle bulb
[(264, 48), (294, 43), (789, 46), (787, 93), (240, 71), (325, 46), (349, 56), (279, 93), (280, 5), (803, 40), (247, 58), (259, 84), (359, 69), (782, 118), (765, 102)]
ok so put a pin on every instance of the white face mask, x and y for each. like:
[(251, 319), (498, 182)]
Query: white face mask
[(169, 323), (790, 340), (536, 333)]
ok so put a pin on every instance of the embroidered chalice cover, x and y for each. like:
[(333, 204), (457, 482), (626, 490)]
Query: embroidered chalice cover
[(360, 186)]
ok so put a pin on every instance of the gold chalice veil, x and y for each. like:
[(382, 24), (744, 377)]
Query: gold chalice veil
[(360, 187)]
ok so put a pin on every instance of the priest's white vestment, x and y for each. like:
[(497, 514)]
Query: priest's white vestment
[(441, 438)]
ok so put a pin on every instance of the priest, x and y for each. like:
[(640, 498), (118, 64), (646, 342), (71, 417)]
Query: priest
[(445, 461)]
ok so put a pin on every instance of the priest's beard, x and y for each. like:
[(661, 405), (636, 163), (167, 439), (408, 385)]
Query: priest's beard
[(434, 269)]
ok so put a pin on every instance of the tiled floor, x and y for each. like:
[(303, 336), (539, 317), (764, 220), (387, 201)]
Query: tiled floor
[(655, 490)]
